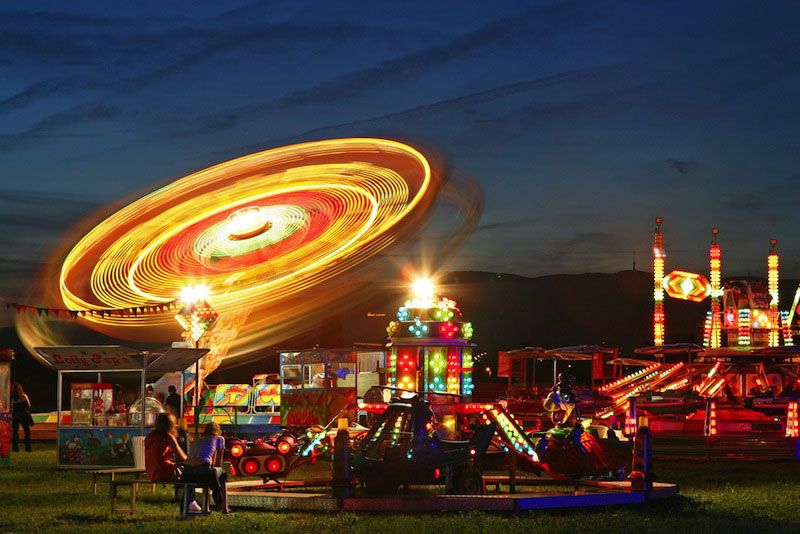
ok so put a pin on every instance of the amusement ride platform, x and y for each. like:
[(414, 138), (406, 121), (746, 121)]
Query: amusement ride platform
[(540, 494)]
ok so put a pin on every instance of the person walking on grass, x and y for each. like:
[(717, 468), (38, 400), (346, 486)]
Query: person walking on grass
[(20, 416)]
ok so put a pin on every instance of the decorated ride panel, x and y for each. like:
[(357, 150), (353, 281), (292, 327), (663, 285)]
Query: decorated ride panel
[(236, 395), (5, 439), (6, 355), (267, 397), (313, 406), (82, 447)]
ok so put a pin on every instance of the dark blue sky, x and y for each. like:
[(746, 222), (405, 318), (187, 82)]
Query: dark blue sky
[(580, 120)]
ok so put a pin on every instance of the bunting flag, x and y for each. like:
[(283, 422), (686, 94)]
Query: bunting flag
[(62, 313)]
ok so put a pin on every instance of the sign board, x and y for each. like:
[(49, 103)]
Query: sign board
[(92, 357)]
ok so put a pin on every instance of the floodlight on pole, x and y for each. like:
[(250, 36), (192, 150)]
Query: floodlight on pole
[(196, 316)]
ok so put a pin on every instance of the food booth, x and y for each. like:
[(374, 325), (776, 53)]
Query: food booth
[(98, 428)]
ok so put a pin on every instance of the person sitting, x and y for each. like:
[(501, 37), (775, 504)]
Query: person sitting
[(205, 464), (560, 402), (161, 449)]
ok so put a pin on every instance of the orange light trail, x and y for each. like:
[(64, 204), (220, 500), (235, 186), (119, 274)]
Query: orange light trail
[(262, 232)]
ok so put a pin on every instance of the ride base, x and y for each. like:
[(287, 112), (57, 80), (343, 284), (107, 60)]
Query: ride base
[(535, 494)]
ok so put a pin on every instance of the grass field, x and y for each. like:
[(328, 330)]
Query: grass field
[(715, 497)]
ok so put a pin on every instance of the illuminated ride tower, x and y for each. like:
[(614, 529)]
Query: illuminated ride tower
[(714, 340), (429, 345), (658, 284), (772, 289)]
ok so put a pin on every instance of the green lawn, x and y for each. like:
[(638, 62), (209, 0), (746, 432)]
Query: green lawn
[(715, 497)]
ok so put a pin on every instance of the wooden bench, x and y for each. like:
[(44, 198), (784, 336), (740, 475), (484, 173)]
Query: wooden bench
[(112, 472), (134, 485), (185, 501)]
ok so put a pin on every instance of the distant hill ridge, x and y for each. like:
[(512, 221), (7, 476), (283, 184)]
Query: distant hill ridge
[(507, 310)]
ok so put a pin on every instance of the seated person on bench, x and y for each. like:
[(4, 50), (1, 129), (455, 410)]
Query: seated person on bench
[(205, 461), (161, 449)]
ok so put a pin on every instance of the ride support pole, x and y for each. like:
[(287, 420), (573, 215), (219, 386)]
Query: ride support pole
[(512, 470), (641, 476), (342, 474), (644, 427)]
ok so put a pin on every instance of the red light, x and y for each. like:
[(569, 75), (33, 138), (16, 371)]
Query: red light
[(437, 473), (250, 466), (472, 452), (237, 450), (448, 329), (274, 465), (284, 447)]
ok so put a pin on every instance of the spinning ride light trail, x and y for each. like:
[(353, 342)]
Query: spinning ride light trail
[(274, 236)]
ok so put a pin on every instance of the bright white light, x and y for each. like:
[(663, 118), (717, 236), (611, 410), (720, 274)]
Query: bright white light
[(246, 223), (687, 286), (195, 294), (423, 289)]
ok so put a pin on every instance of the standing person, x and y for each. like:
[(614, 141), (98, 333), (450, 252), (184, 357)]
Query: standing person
[(20, 415), (173, 402), (205, 464)]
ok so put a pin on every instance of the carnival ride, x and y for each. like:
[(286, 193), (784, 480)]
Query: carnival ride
[(745, 378), (430, 432), (402, 448), (743, 381), (274, 236)]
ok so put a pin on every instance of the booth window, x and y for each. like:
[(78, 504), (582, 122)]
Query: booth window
[(292, 376)]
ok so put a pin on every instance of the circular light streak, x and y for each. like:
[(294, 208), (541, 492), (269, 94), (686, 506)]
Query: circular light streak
[(261, 232), (246, 223)]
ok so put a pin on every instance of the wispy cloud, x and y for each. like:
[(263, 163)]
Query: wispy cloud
[(681, 166), (584, 243), (524, 222), (35, 92)]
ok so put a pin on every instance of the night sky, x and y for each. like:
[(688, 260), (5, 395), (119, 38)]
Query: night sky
[(581, 121)]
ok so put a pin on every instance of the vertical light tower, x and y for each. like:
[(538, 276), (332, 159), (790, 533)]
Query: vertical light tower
[(772, 287), (715, 265), (658, 285)]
